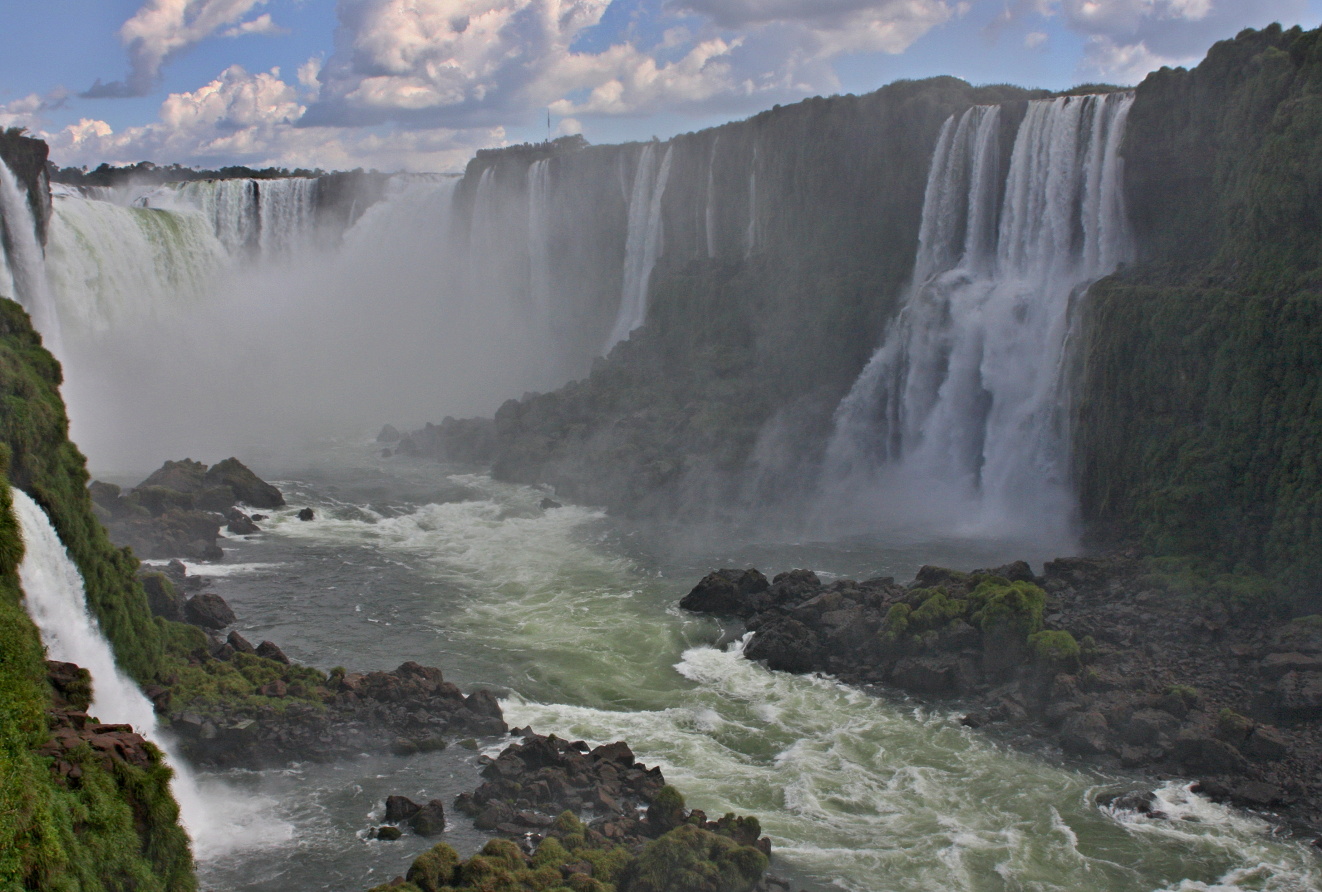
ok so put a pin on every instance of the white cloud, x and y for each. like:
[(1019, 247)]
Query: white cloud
[(1035, 39), (260, 25), (253, 119), (29, 110), (1126, 39), (162, 29), (457, 62)]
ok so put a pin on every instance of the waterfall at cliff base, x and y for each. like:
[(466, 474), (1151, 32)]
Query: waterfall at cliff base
[(24, 259), (959, 421), (642, 242), (56, 601)]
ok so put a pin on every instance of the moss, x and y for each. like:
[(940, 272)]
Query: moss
[(1014, 607), (1232, 726), (688, 859), (49, 468), (1056, 649), (434, 869), (936, 612)]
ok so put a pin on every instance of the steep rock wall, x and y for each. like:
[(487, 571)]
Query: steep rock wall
[(1200, 418), (787, 240)]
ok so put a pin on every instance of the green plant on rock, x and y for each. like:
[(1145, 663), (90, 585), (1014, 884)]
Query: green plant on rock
[(1056, 649), (936, 612), (689, 859), (1014, 607), (434, 869)]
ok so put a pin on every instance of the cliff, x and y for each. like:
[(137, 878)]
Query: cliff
[(785, 244), (82, 806), (26, 157), (1198, 428)]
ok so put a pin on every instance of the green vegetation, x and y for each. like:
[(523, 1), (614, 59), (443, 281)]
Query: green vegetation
[(573, 858), (997, 604), (1200, 421), (113, 828), (1057, 649)]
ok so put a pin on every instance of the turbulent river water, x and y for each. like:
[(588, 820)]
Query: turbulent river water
[(573, 620)]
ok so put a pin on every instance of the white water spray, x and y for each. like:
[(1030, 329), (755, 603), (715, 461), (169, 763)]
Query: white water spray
[(962, 409), (25, 259), (643, 242), (56, 601)]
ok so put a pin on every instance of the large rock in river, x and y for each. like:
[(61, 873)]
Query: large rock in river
[(246, 486)]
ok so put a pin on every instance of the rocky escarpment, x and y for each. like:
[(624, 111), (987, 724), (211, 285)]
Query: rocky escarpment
[(1116, 660), (26, 157), (788, 241), (1196, 427), (588, 820), (178, 511)]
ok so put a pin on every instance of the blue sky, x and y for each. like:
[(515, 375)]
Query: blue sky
[(420, 84)]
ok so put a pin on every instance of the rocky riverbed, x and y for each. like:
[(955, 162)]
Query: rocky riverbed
[(1100, 657)]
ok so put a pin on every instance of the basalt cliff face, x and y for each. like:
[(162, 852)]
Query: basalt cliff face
[(1198, 426), (782, 248)]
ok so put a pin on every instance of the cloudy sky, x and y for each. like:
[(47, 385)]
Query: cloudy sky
[(420, 84)]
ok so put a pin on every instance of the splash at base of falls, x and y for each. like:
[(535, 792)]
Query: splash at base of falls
[(53, 592)]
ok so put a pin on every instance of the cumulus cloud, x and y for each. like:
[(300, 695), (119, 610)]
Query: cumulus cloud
[(28, 111), (466, 61), (1126, 39), (260, 25), (252, 119), (162, 29)]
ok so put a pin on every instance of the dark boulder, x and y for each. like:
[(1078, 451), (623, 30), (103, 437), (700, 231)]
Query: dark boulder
[(726, 592), (247, 487), (400, 808), (209, 611), (785, 644), (548, 503), (271, 651), (1085, 734), (1198, 754), (241, 524), (162, 597), (388, 434), (240, 644), (181, 476), (306, 514), (794, 586), (429, 820)]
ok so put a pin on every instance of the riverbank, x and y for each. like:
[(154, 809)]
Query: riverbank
[(1118, 662)]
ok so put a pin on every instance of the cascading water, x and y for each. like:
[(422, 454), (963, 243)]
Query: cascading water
[(53, 593), (25, 260), (271, 217), (539, 234), (113, 265), (55, 599), (642, 243), (962, 405)]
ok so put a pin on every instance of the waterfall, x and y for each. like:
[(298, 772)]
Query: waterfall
[(272, 217), (963, 401), (750, 236), (111, 265), (217, 820), (539, 234), (642, 242), (25, 261), (53, 593), (709, 215)]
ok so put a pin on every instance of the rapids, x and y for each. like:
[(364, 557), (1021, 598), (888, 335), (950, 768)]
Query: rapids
[(573, 618)]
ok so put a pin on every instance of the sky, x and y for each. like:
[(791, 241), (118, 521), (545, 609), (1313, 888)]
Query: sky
[(421, 84)]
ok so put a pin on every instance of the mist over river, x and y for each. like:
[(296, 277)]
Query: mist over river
[(572, 618)]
